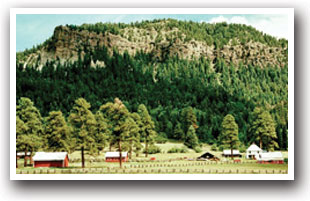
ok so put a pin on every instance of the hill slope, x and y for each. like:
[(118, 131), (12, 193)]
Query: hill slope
[(234, 43), (173, 67)]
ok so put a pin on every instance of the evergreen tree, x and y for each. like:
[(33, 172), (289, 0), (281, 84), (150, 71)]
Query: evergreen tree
[(189, 118), (21, 133), (57, 132), (119, 118), (178, 132), (263, 129), (84, 125), (191, 139), (148, 129), (103, 133), (30, 115), (134, 139), (229, 135)]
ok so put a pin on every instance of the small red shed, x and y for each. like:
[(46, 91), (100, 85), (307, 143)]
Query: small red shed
[(115, 156), (51, 159)]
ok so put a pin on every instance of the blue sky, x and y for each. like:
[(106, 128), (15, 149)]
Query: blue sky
[(33, 29)]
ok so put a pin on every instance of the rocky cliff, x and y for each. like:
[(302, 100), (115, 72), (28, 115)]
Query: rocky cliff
[(66, 43)]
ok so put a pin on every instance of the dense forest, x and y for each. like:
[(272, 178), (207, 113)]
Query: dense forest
[(171, 88)]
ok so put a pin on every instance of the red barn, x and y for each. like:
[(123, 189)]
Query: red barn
[(115, 157), (51, 159)]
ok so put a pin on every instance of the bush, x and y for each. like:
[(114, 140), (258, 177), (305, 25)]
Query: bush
[(285, 160), (178, 150), (161, 138), (197, 149), (242, 149), (214, 147), (221, 148), (152, 150)]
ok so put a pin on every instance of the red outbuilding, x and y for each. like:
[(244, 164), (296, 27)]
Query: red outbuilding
[(51, 159), (115, 156)]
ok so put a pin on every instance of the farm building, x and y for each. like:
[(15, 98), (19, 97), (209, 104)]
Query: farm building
[(51, 159), (208, 156), (115, 156), (253, 152), (22, 155), (271, 157), (227, 153)]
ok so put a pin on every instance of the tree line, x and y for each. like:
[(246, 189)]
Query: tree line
[(170, 89), (111, 126)]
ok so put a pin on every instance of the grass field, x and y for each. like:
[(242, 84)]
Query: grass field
[(172, 163)]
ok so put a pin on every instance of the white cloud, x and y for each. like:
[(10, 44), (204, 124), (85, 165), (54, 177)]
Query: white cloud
[(275, 25)]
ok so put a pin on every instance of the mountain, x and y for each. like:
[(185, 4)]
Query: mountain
[(182, 71), (163, 38)]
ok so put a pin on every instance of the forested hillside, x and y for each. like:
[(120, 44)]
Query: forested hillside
[(237, 70)]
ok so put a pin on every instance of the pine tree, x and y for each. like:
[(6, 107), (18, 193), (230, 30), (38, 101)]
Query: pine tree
[(263, 129), (30, 115), (178, 132), (21, 132), (84, 125), (57, 132), (103, 133), (148, 129), (191, 139), (229, 135), (119, 118), (189, 118), (134, 139)]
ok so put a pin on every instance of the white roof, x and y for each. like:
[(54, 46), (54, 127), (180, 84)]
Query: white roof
[(228, 152), (270, 156), (254, 147), (23, 154), (50, 156), (115, 154)]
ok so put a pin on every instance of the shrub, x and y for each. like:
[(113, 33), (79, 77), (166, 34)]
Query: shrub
[(161, 138), (178, 150), (153, 150), (214, 147), (221, 148), (197, 149), (285, 160), (242, 149)]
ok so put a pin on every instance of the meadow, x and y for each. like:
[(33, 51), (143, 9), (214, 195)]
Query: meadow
[(164, 163)]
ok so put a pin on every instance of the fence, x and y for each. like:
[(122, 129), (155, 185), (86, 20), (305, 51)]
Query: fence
[(151, 171)]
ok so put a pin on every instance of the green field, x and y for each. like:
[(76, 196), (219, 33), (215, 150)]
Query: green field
[(172, 163)]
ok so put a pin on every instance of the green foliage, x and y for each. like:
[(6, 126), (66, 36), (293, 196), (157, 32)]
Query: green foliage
[(161, 138), (264, 129), (84, 125), (148, 132), (153, 149), (242, 149), (229, 135), (175, 91), (197, 149), (214, 147), (57, 132), (29, 127), (178, 150), (191, 139)]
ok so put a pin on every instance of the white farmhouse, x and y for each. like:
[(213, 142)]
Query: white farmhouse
[(253, 152)]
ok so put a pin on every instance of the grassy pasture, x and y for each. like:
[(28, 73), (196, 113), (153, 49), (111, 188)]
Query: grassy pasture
[(172, 163)]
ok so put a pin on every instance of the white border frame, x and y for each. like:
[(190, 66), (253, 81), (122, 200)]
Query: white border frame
[(288, 11)]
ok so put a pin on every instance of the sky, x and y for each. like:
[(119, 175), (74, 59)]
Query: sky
[(34, 29)]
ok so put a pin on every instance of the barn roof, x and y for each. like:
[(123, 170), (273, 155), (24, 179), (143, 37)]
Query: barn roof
[(49, 156), (270, 156), (115, 154), (254, 147), (228, 152)]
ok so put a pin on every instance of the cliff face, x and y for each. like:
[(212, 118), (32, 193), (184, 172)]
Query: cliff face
[(66, 43)]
